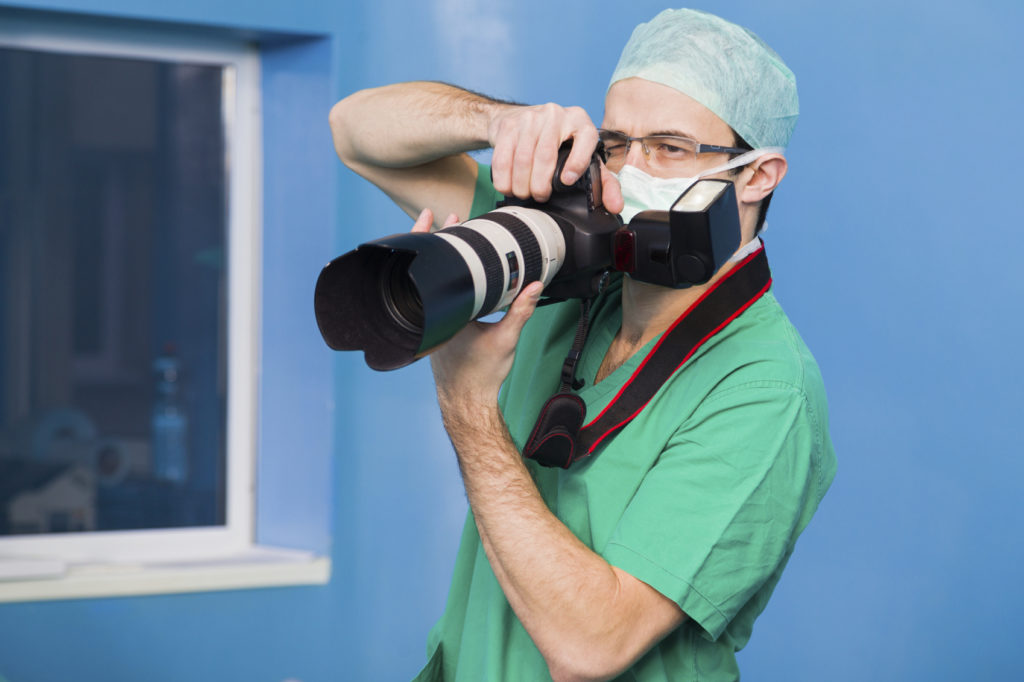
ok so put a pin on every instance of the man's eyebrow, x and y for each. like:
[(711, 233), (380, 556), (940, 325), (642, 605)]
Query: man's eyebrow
[(674, 133)]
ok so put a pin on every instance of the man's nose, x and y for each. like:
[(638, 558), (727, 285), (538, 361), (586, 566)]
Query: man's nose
[(635, 155)]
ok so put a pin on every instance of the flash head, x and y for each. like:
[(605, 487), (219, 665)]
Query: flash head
[(685, 245)]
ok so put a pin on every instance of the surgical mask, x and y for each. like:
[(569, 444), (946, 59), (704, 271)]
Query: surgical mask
[(643, 192)]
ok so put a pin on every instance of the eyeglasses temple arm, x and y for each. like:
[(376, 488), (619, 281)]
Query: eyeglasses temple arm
[(716, 149)]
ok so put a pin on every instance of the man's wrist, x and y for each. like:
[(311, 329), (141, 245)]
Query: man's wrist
[(471, 426), (490, 112)]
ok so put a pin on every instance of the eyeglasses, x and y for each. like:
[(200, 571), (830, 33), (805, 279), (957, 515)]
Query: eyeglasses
[(665, 152)]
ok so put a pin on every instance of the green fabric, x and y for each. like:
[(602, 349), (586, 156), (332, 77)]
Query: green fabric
[(485, 197), (702, 496)]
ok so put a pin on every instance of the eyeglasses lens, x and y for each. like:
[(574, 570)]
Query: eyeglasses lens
[(669, 153)]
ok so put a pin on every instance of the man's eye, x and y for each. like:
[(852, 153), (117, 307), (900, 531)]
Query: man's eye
[(670, 150), (614, 149)]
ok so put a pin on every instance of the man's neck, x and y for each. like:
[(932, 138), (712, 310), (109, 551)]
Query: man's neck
[(647, 311)]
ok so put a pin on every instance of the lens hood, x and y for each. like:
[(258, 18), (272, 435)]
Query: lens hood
[(394, 298)]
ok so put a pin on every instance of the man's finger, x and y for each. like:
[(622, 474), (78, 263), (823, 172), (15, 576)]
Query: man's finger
[(584, 141), (522, 165), (545, 158), (424, 221), (522, 308), (611, 191), (501, 165)]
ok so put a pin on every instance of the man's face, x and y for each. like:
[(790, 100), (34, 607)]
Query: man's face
[(638, 107)]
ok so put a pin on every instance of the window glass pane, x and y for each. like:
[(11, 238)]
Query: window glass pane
[(112, 293)]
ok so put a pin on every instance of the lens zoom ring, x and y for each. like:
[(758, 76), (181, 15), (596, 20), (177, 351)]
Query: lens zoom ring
[(527, 241), (490, 260)]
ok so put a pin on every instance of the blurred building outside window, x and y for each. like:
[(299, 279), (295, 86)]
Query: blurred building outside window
[(129, 282)]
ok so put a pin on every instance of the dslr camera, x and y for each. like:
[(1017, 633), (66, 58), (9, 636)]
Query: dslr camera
[(399, 297)]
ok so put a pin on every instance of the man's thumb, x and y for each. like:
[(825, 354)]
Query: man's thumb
[(524, 305)]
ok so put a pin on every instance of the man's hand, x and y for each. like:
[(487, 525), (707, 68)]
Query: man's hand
[(471, 366), (526, 142), (411, 139)]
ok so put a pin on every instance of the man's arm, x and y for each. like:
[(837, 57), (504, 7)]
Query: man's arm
[(411, 139), (589, 619)]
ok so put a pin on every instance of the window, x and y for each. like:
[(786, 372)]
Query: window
[(129, 250)]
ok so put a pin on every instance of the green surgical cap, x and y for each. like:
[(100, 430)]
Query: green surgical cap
[(723, 66)]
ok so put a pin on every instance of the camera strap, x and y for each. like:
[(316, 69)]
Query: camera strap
[(559, 437)]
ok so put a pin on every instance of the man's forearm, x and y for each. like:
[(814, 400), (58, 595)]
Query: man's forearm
[(409, 124), (410, 140), (583, 614)]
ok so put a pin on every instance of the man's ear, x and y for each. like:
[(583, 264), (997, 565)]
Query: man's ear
[(768, 172)]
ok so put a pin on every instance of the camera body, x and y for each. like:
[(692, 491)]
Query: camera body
[(587, 229)]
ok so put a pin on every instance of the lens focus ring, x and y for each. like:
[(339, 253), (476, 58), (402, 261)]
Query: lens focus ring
[(526, 240), (489, 258)]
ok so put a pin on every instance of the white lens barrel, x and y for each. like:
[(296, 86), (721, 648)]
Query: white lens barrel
[(475, 265), (503, 250), (548, 234)]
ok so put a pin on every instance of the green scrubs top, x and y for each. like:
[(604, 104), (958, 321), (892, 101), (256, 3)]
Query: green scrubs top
[(702, 495)]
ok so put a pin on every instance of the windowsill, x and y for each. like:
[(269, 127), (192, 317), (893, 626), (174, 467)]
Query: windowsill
[(258, 566)]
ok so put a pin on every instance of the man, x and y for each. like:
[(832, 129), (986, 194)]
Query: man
[(652, 557)]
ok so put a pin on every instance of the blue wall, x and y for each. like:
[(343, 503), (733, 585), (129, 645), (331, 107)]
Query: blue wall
[(891, 242)]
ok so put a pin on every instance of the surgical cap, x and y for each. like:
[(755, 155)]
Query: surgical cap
[(723, 66)]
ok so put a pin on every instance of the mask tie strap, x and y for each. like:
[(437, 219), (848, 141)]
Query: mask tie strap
[(742, 160)]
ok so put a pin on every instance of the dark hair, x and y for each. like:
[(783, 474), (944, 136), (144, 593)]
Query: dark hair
[(743, 144)]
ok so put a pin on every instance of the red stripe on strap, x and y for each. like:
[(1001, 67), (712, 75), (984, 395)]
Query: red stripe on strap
[(665, 335), (688, 356)]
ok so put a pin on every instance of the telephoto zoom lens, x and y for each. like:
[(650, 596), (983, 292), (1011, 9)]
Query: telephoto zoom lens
[(399, 297)]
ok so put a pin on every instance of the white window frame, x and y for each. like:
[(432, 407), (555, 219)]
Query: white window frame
[(211, 555)]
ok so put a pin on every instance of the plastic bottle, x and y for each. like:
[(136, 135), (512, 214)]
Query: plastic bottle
[(169, 424)]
